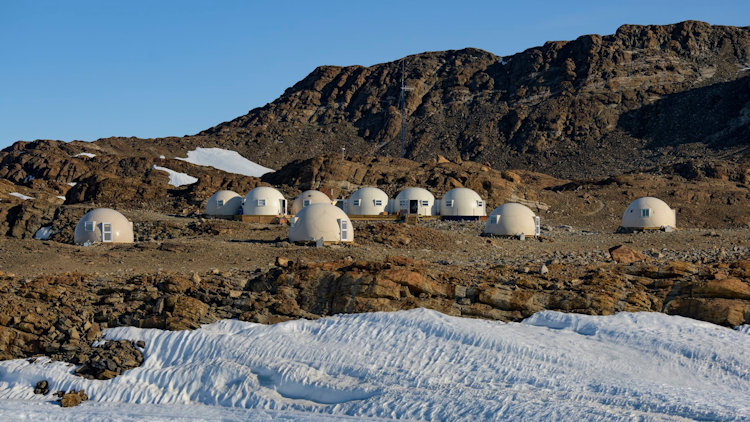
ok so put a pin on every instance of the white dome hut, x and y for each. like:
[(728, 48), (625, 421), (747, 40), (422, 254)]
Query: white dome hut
[(415, 201), (103, 225), (264, 200), (224, 202), (462, 202), (309, 197), (512, 219), (368, 201), (321, 223), (649, 213)]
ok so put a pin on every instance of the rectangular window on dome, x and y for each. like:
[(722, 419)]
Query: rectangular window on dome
[(305, 202), (480, 204), (425, 203), (356, 202), (219, 202), (261, 203), (403, 203), (377, 202), (449, 203), (646, 212), (89, 226)]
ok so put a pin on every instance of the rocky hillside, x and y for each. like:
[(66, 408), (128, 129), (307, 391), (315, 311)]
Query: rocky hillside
[(593, 106), (596, 106)]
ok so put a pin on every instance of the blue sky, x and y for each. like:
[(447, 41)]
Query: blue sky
[(90, 69)]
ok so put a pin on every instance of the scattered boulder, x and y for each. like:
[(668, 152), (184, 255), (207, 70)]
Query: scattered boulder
[(625, 255), (73, 398), (42, 387)]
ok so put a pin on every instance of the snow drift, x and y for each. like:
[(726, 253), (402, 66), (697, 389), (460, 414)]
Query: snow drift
[(176, 178), (417, 364), (226, 160)]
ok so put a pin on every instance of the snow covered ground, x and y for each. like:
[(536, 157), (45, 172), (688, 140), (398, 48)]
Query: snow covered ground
[(21, 196), (416, 364), (176, 178), (85, 154), (226, 160), (44, 233)]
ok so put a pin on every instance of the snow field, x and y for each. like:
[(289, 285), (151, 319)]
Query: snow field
[(176, 178), (226, 160), (416, 364)]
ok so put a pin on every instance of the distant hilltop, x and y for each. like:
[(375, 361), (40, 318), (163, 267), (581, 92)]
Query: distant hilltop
[(595, 106)]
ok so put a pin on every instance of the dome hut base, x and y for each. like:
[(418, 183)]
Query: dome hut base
[(626, 230)]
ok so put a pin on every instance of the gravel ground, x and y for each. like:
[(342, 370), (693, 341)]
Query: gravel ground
[(198, 245)]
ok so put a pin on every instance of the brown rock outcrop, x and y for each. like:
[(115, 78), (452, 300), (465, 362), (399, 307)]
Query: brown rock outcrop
[(625, 255)]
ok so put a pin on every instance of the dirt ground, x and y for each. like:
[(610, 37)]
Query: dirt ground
[(200, 246)]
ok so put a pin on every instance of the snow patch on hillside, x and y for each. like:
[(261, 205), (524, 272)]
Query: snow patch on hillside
[(416, 364), (20, 195), (226, 160), (176, 178), (44, 233), (85, 154)]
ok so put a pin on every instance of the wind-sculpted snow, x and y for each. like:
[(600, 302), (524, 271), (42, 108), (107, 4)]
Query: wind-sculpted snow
[(226, 160), (417, 364)]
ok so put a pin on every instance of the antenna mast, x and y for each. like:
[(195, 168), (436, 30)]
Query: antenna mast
[(404, 88)]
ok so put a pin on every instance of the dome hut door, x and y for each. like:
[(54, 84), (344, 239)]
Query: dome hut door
[(282, 206), (413, 206), (537, 225), (106, 232), (344, 229)]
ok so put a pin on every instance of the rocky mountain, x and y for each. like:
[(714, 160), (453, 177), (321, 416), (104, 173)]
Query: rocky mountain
[(596, 106), (587, 107)]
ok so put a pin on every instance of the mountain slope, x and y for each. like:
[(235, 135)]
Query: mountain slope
[(601, 99)]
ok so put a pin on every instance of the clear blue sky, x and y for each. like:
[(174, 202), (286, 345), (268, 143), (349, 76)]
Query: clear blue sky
[(90, 69)]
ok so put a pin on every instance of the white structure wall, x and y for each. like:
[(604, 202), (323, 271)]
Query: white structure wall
[(103, 225), (321, 222), (264, 200)]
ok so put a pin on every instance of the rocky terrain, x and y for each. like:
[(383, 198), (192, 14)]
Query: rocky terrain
[(574, 130), (56, 298), (579, 108)]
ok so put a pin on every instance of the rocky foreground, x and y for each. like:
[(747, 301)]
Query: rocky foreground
[(56, 299)]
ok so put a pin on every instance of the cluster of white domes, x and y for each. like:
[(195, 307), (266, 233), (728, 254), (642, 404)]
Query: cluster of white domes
[(317, 219)]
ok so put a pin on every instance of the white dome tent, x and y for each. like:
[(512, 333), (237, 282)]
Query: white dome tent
[(321, 223), (309, 197), (462, 202), (649, 213), (103, 225), (415, 201), (512, 219), (264, 200), (368, 201), (224, 202)]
